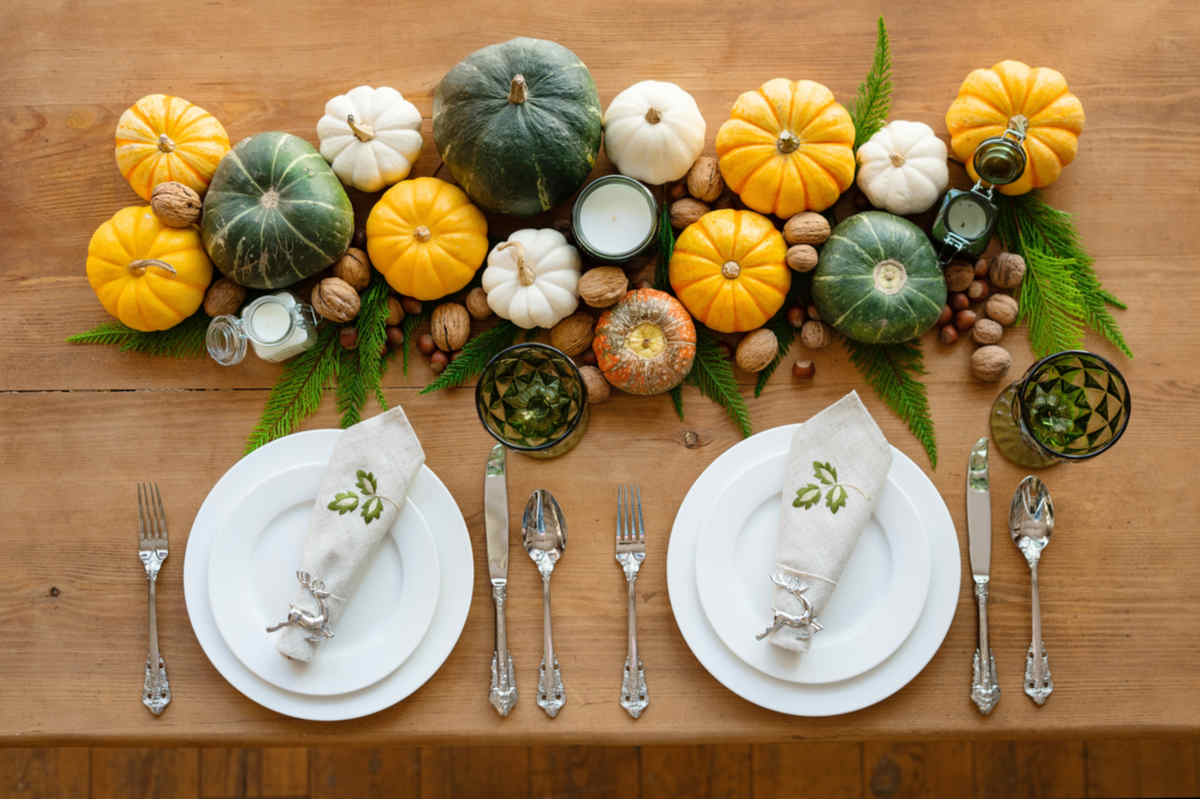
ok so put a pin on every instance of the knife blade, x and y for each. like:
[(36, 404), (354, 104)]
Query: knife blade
[(985, 689), (503, 692)]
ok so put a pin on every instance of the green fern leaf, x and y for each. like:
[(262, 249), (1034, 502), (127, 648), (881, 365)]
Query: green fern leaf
[(185, 340), (677, 401), (666, 246), (893, 370), (297, 394), (874, 99), (475, 356), (712, 374)]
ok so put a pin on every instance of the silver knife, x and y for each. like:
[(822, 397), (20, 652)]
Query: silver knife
[(503, 694), (985, 690)]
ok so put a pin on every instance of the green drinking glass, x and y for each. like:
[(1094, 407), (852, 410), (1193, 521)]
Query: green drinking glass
[(532, 399), (1069, 406)]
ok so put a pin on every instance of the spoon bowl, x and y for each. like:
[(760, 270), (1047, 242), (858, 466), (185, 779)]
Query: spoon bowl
[(544, 534), (1030, 523)]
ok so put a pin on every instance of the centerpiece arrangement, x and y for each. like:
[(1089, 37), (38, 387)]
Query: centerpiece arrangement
[(813, 221)]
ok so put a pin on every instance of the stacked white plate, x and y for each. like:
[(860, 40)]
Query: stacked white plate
[(889, 614), (239, 577)]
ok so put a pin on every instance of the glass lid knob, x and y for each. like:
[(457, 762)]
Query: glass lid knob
[(999, 161)]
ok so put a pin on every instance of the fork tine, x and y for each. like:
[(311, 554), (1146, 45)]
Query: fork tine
[(641, 526), (620, 493), (162, 514), (141, 514)]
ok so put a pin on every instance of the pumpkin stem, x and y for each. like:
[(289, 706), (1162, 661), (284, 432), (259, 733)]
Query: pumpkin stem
[(164, 143), (525, 273), (517, 90), (787, 142), (653, 116), (890, 276), (361, 130), (896, 159), (731, 269), (422, 234), (138, 267)]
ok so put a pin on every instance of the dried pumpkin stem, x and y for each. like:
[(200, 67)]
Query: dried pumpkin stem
[(361, 130), (787, 142), (525, 273), (897, 159), (517, 90), (165, 144), (139, 266), (422, 234), (731, 269), (653, 116)]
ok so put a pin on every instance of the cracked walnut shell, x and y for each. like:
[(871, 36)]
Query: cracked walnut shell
[(450, 325), (176, 205), (336, 300)]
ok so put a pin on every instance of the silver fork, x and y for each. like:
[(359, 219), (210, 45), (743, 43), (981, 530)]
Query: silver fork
[(631, 552), (152, 550)]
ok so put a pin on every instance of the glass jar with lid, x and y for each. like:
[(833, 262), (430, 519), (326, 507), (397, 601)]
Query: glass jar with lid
[(275, 325)]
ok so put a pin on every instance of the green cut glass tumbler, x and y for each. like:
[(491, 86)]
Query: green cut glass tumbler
[(532, 399)]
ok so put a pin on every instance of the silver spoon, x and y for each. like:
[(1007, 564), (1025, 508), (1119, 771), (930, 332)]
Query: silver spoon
[(544, 534), (1030, 522)]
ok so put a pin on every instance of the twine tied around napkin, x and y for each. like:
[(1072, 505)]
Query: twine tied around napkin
[(362, 492), (836, 468)]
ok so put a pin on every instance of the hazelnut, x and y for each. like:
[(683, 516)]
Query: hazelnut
[(335, 300), (802, 257), (598, 389), (986, 331), (796, 316), (601, 287), (354, 268), (425, 344), (223, 297), (477, 304), (704, 180), (981, 268), (395, 337), (586, 357), (978, 290), (959, 301), (726, 200), (1002, 308), (573, 335), (945, 316), (756, 350), (1007, 271), (677, 190), (348, 337), (450, 325), (990, 363), (948, 334), (359, 239), (175, 204), (964, 319), (438, 361), (395, 311), (959, 276), (812, 312), (803, 369), (411, 305), (686, 211), (807, 227), (816, 335)]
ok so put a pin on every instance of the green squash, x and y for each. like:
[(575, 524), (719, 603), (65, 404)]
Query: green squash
[(275, 213), (519, 125), (878, 279)]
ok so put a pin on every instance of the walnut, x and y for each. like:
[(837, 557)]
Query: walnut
[(816, 335), (354, 268), (598, 389), (336, 300), (573, 335), (802, 257), (756, 350), (450, 325), (987, 331), (223, 297), (176, 205), (807, 227), (603, 286), (395, 311), (477, 304), (686, 211), (704, 180), (1007, 271), (1002, 308), (959, 276), (990, 363)]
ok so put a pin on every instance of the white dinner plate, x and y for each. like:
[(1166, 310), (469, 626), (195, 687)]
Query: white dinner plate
[(799, 699), (252, 580), (877, 602), (455, 559)]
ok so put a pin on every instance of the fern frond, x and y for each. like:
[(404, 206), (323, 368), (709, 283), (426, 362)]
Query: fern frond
[(185, 340), (297, 394), (677, 401), (666, 246), (351, 392), (874, 99), (475, 356), (893, 371), (712, 374)]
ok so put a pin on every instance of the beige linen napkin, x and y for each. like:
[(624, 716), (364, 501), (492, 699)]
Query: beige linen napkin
[(836, 469), (364, 487)]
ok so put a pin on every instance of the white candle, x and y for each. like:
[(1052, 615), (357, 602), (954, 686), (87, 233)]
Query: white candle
[(272, 318), (615, 219), (271, 321)]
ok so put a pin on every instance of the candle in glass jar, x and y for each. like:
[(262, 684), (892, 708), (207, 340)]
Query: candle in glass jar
[(614, 218)]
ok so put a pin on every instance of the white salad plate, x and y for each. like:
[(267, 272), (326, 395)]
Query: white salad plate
[(877, 602), (455, 566), (810, 699), (252, 580)]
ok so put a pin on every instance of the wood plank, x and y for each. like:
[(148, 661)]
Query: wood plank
[(44, 772), (285, 772), (584, 771), (918, 769), (230, 772), (364, 771), (807, 769), (1029, 768), (475, 771), (1141, 768), (696, 771), (145, 772)]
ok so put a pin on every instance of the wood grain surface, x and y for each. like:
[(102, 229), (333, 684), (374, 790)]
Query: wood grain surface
[(79, 425)]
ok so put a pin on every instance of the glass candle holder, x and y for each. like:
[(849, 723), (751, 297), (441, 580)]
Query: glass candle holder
[(1069, 406), (275, 325), (531, 398), (614, 218)]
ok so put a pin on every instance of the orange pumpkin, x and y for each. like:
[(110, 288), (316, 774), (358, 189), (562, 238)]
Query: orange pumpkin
[(162, 138), (728, 268), (646, 343)]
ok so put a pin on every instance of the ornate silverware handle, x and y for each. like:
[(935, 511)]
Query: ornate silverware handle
[(634, 695), (1038, 683), (985, 689), (551, 694), (503, 693), (156, 690)]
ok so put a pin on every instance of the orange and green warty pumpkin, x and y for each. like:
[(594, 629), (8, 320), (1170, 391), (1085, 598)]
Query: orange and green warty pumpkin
[(646, 343), (728, 268), (162, 138), (147, 275), (1012, 94), (787, 147), (426, 238)]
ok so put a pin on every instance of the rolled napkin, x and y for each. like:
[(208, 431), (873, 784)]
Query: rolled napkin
[(364, 487), (836, 468)]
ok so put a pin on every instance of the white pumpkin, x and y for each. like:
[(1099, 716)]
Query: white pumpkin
[(653, 131), (370, 137), (533, 278), (902, 168)]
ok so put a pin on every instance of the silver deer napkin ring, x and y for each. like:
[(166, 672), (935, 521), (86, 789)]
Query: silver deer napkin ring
[(805, 622), (316, 624)]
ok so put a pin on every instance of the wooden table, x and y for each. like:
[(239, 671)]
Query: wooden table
[(79, 425)]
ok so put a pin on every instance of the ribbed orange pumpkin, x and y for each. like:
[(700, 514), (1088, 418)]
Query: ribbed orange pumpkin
[(1012, 93), (162, 138), (728, 269), (646, 343)]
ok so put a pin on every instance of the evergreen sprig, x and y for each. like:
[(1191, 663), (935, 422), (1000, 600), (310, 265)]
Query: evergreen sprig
[(1061, 294), (666, 246), (712, 374), (297, 393), (361, 370), (475, 356), (185, 340), (893, 370), (874, 99)]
